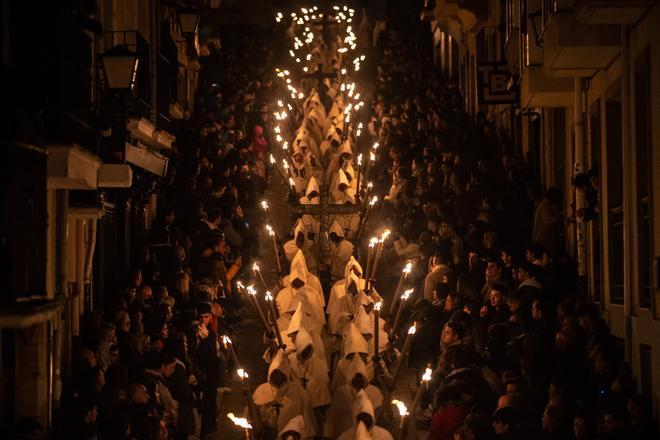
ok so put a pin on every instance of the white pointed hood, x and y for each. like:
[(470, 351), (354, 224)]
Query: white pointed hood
[(296, 424), (363, 405), (281, 363), (361, 432), (363, 321), (336, 229), (303, 340), (354, 342), (298, 268), (357, 366), (312, 187), (346, 148), (351, 267)]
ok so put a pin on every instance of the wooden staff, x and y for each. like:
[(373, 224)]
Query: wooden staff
[(404, 275), (276, 326), (229, 344), (277, 167), (275, 251), (359, 174)]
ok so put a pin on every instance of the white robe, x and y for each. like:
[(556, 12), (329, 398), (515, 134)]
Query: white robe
[(311, 373), (278, 405)]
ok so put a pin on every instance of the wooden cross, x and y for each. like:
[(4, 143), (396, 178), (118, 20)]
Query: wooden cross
[(320, 76), (324, 210), (325, 25), (304, 381)]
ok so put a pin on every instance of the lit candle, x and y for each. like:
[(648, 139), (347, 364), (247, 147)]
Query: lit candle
[(404, 298), (274, 241), (404, 352), (230, 346), (241, 422), (364, 218), (257, 272), (372, 244), (379, 251), (403, 412), (253, 294), (264, 206), (404, 275), (273, 312), (422, 387), (359, 173)]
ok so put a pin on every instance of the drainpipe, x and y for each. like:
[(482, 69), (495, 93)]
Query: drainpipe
[(91, 246), (62, 349), (627, 191), (79, 294), (578, 168)]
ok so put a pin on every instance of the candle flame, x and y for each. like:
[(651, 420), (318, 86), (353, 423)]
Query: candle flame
[(264, 204), (270, 230), (386, 233), (375, 146), (373, 242), (269, 296), (251, 290), (226, 340), (255, 267), (412, 330), (427, 375), (378, 305), (292, 183), (408, 268), (240, 285), (359, 159), (242, 373), (406, 294), (372, 157), (373, 201), (403, 411), (272, 159), (241, 422), (370, 185)]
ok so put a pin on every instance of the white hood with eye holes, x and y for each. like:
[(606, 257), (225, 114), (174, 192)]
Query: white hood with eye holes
[(312, 187)]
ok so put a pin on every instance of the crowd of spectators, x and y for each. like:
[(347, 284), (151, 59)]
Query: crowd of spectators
[(151, 365), (517, 351)]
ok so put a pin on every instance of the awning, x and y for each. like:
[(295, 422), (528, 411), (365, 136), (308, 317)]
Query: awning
[(147, 159), (72, 167)]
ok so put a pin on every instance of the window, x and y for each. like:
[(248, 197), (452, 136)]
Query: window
[(615, 194), (643, 149), (596, 245)]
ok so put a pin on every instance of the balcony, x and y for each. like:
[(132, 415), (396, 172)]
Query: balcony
[(539, 90), (611, 11), (574, 49), (470, 13)]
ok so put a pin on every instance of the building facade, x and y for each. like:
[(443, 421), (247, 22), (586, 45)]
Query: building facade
[(85, 161), (575, 84)]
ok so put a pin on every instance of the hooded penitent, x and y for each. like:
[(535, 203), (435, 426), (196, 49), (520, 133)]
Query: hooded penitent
[(346, 308), (300, 242), (339, 416), (310, 370), (362, 407), (340, 251), (353, 344), (278, 404), (295, 426)]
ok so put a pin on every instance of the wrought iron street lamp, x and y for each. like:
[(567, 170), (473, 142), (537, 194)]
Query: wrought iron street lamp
[(120, 66), (188, 20)]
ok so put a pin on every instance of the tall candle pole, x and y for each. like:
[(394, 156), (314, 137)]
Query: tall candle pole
[(253, 294), (257, 272), (379, 250), (364, 218), (359, 175), (404, 352), (264, 206), (403, 412), (404, 275), (277, 167), (377, 307), (276, 326), (370, 254), (404, 298), (422, 387), (366, 195), (275, 251), (229, 344)]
